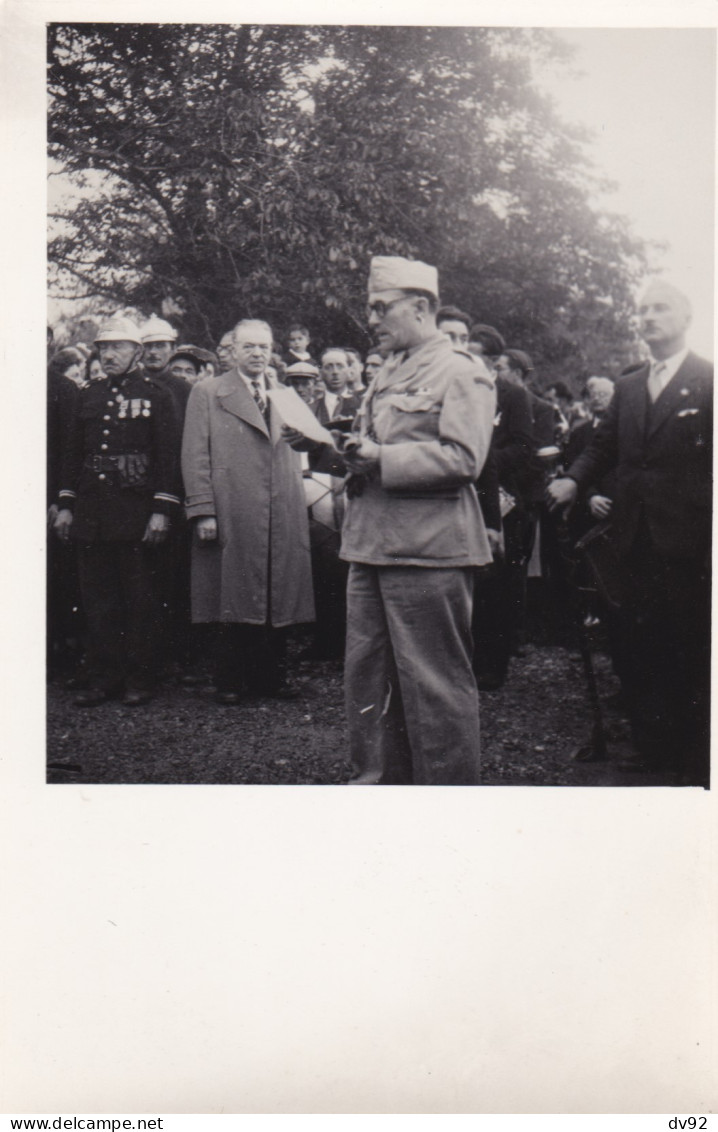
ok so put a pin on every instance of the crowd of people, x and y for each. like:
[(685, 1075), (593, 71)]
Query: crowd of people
[(399, 504)]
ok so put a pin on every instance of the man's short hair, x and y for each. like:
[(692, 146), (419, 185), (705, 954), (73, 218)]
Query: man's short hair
[(453, 314), (252, 322), (299, 328), (597, 381), (561, 389), (64, 358), (519, 360), (677, 297), (493, 343), (334, 350), (350, 350), (187, 354)]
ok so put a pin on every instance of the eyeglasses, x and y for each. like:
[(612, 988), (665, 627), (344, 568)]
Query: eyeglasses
[(380, 309)]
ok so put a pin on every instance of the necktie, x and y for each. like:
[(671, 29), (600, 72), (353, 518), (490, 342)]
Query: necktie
[(656, 379), (261, 403)]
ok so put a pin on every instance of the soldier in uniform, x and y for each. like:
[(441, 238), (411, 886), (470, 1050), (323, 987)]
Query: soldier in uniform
[(412, 533), (119, 488)]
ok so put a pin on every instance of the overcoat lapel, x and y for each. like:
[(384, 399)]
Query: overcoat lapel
[(275, 422), (235, 398)]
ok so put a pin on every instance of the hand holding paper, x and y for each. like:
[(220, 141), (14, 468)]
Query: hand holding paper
[(297, 415)]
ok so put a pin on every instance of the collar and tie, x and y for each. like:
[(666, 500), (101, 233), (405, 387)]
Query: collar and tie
[(658, 379), (261, 403)]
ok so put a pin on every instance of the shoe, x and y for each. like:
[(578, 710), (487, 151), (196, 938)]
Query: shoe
[(590, 753), (636, 765), (283, 692), (76, 683), (227, 698), (135, 697), (616, 700), (192, 679), (92, 697), (489, 683)]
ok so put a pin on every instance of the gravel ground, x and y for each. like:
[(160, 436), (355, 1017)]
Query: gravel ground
[(531, 730)]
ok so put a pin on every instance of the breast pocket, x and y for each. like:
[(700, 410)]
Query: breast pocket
[(412, 402)]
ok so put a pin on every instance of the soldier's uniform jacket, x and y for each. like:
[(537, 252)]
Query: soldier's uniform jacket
[(121, 463), (432, 413)]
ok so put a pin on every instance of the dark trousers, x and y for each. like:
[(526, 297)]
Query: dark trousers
[(329, 574), (667, 651), (250, 658), (500, 599), (172, 584), (65, 619), (124, 615)]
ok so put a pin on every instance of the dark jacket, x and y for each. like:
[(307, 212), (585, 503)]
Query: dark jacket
[(512, 442), (543, 431), (662, 457), (322, 458), (177, 387), (121, 462), (62, 395), (487, 487)]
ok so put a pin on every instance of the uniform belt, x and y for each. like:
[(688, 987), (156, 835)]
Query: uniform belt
[(101, 463)]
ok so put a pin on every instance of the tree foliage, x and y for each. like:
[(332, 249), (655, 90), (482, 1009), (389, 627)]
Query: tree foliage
[(253, 170)]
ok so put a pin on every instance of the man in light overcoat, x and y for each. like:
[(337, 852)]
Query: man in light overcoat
[(251, 568)]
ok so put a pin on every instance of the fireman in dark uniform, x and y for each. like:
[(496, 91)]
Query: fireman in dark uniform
[(120, 478)]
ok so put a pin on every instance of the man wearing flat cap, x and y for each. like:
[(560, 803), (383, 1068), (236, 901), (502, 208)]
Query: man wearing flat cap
[(413, 534)]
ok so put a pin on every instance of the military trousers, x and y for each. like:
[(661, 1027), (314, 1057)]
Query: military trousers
[(124, 614), (411, 697)]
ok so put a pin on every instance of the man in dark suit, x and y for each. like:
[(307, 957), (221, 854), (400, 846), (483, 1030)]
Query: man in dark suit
[(657, 436), (498, 588), (337, 402), (328, 571)]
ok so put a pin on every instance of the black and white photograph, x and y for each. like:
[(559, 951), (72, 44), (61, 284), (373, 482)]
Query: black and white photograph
[(358, 431), (486, 559)]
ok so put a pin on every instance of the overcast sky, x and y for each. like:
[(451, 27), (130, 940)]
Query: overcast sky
[(649, 95)]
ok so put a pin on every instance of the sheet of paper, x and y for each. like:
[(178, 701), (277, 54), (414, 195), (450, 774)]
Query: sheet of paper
[(296, 414)]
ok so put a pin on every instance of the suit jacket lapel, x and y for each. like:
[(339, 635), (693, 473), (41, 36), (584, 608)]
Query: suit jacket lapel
[(320, 410), (637, 397), (671, 397), (234, 396)]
